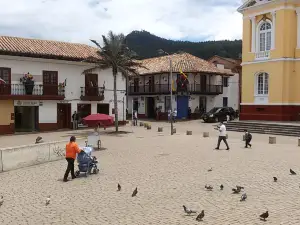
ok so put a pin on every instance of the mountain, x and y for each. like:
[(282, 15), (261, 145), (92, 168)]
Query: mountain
[(146, 45)]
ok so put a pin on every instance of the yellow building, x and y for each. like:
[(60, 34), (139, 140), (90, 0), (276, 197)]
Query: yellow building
[(271, 60)]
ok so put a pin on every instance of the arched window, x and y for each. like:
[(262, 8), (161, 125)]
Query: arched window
[(265, 36), (262, 84)]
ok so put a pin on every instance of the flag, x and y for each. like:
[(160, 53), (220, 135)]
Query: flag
[(183, 74)]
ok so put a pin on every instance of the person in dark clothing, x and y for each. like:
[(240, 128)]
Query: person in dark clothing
[(75, 118), (189, 113), (71, 150), (248, 138)]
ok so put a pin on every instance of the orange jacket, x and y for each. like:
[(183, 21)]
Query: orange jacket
[(71, 150)]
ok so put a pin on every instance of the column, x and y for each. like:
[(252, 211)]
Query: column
[(273, 44), (253, 22), (298, 27)]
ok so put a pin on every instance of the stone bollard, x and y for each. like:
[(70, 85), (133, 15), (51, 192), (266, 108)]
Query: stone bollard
[(189, 132), (272, 140), (205, 134), (145, 125), (141, 124), (160, 129), (174, 130), (148, 127), (298, 141)]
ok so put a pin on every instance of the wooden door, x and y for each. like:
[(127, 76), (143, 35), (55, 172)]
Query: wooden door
[(91, 85), (5, 74), (63, 116), (50, 83)]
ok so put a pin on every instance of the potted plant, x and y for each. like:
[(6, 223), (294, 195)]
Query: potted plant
[(28, 82)]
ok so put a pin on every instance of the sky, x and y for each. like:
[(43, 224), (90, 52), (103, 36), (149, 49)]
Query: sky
[(81, 20)]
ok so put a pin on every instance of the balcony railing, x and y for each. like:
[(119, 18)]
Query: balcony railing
[(206, 89), (149, 89), (36, 91), (92, 93), (262, 55)]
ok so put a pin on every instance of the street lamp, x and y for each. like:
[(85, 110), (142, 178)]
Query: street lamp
[(160, 51)]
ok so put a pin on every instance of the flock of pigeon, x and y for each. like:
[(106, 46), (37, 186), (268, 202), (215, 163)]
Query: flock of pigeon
[(236, 190)]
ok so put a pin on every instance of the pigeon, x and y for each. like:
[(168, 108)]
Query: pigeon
[(239, 187), (119, 187), (275, 179), (292, 172), (209, 188), (1, 200), (48, 200), (134, 193), (221, 187), (188, 211), (243, 197), (38, 139), (209, 170), (200, 216), (236, 190), (264, 216)]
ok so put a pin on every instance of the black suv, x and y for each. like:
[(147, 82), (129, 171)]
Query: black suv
[(217, 114)]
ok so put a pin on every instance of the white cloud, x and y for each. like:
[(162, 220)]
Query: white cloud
[(80, 20)]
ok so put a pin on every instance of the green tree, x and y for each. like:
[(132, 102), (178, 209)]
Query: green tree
[(116, 55)]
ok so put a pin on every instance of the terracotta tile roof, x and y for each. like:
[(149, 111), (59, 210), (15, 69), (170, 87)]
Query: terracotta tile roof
[(45, 49), (185, 61), (234, 61)]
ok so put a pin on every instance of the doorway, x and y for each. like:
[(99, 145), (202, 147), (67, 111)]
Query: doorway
[(83, 110), (63, 115), (202, 104), (135, 106), (26, 118), (103, 108), (225, 101), (182, 107), (91, 84), (151, 107), (203, 83)]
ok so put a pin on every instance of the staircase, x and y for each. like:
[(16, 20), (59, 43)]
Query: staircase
[(284, 129)]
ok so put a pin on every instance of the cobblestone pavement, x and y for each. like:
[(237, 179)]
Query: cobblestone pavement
[(169, 171)]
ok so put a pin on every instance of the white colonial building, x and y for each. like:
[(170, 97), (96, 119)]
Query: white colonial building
[(202, 88), (59, 87)]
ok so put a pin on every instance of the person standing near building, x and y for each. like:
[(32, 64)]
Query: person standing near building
[(71, 150), (169, 115), (75, 119), (135, 118), (174, 115), (189, 113), (222, 136)]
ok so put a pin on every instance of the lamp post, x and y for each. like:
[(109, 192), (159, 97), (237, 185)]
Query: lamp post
[(171, 91)]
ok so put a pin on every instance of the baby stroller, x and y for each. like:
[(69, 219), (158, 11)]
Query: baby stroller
[(86, 163)]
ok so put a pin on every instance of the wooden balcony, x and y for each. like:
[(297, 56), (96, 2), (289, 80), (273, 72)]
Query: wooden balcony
[(149, 89), (31, 92), (92, 93), (206, 89)]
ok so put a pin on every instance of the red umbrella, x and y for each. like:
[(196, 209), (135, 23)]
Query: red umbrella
[(98, 119), (2, 81)]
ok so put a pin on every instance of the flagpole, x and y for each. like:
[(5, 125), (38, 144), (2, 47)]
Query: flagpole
[(171, 94)]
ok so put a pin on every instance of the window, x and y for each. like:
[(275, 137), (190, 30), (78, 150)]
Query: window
[(262, 84), (167, 103), (265, 36), (5, 74), (225, 81), (225, 101)]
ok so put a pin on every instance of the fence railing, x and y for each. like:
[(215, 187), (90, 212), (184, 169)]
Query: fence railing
[(149, 89), (35, 89)]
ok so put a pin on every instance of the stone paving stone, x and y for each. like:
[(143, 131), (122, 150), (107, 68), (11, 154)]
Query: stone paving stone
[(169, 171)]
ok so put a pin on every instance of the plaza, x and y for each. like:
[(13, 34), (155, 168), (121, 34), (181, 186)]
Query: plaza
[(169, 171)]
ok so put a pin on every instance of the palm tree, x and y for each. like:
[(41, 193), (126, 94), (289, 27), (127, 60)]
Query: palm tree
[(115, 55)]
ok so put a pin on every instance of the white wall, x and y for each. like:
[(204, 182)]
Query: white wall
[(48, 112), (72, 71)]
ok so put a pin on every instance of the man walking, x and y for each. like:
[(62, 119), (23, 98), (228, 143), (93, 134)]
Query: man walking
[(248, 138), (222, 136), (135, 118)]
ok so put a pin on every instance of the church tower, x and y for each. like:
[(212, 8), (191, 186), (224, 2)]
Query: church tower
[(271, 60)]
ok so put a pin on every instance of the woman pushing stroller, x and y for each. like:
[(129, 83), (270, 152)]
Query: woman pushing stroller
[(71, 150)]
